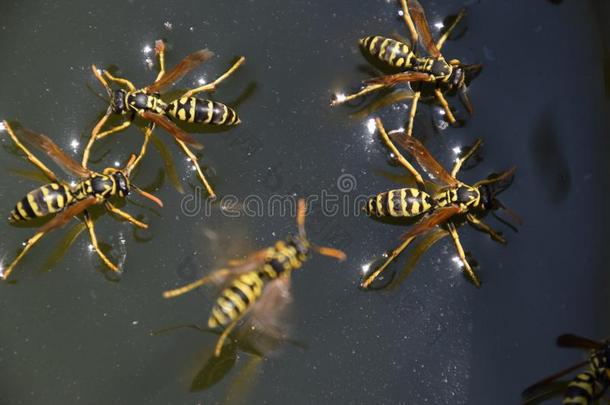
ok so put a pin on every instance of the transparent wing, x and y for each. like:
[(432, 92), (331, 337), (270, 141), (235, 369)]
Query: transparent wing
[(544, 388), (64, 216), (434, 169), (423, 29), (171, 128), (177, 72), (440, 216), (264, 327), (46, 145)]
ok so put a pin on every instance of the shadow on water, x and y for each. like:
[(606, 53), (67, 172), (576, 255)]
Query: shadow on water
[(551, 165), (256, 345)]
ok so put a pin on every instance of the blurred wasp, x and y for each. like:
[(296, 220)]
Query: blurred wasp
[(147, 103), (586, 387), (259, 286), (65, 200), (440, 207), (400, 54)]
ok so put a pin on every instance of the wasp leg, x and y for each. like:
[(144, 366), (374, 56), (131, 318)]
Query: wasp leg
[(91, 228), (136, 161), (477, 223), (26, 247), (401, 159), (212, 86), (460, 251), (224, 336), (125, 216), (443, 38), (369, 88), (459, 162), (160, 51), (195, 163), (445, 105), (409, 22), (92, 138), (393, 255), (30, 156), (412, 112), (118, 128), (120, 81)]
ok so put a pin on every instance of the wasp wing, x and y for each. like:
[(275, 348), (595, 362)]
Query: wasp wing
[(570, 340), (438, 217), (177, 72), (264, 327), (220, 276), (45, 144), (434, 169), (405, 77), (171, 128), (422, 27), (544, 387), (64, 216)]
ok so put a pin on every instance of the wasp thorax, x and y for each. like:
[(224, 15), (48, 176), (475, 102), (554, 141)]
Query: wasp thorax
[(468, 195), (440, 68)]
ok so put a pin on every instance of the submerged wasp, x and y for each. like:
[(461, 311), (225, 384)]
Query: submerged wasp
[(147, 103), (64, 200), (441, 207), (586, 387), (443, 76), (259, 286)]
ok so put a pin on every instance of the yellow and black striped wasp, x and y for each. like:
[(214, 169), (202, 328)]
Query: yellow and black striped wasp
[(452, 200), (443, 76), (259, 286), (148, 104), (586, 387), (64, 200)]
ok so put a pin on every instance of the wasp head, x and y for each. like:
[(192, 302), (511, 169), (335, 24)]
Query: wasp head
[(118, 101), (492, 187)]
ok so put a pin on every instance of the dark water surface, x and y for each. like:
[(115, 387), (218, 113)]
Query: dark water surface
[(70, 335)]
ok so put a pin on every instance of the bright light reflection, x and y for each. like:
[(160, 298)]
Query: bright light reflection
[(439, 25), (74, 144), (201, 81), (370, 125), (91, 248), (340, 97), (457, 150), (458, 261), (2, 127), (401, 13), (146, 49), (117, 163), (365, 268)]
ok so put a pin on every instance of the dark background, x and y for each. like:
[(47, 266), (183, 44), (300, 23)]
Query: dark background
[(541, 104)]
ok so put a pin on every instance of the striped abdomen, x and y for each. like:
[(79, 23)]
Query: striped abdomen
[(194, 110), (583, 389), (45, 200), (389, 51), (236, 299), (403, 202)]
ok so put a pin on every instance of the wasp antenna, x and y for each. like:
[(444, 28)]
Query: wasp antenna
[(301, 210), (146, 194)]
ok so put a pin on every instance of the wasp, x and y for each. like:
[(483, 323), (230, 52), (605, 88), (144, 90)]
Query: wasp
[(445, 77), (586, 387), (64, 200), (259, 286), (452, 199), (148, 104)]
